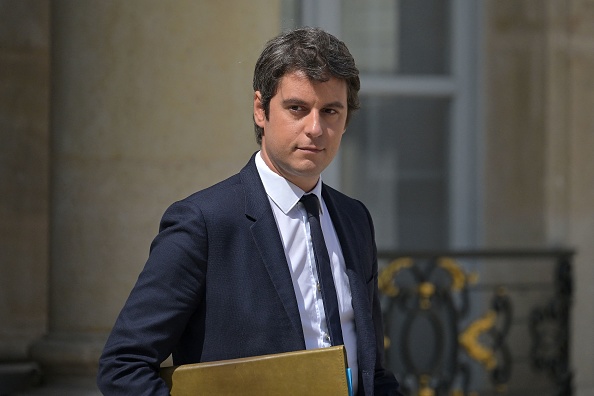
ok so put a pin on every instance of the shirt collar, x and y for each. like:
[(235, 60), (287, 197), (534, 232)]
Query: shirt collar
[(282, 192)]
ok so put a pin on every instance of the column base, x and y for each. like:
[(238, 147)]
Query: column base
[(68, 354), (15, 349), (63, 386)]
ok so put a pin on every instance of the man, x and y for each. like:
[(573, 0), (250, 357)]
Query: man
[(233, 271)]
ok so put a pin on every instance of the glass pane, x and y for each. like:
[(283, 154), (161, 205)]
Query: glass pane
[(290, 14), (394, 158), (398, 37), (370, 30)]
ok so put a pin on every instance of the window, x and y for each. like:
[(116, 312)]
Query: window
[(412, 152)]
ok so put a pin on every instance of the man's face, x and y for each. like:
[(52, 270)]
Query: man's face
[(305, 124)]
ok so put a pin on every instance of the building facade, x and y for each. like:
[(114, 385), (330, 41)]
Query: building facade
[(112, 110)]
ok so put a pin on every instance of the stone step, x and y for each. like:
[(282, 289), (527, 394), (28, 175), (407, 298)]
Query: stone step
[(18, 376)]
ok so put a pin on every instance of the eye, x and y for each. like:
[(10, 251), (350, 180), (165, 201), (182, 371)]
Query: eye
[(330, 111)]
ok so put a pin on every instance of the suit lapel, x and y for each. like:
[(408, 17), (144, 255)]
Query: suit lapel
[(344, 225), (267, 239)]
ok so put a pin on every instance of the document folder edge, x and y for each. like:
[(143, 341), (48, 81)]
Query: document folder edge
[(290, 373)]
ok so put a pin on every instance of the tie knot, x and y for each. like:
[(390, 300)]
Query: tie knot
[(312, 204)]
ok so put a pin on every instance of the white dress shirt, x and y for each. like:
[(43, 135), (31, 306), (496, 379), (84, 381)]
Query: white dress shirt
[(291, 219)]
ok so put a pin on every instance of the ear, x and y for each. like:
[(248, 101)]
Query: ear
[(259, 113)]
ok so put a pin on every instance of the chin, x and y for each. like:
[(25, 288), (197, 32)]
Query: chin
[(308, 169)]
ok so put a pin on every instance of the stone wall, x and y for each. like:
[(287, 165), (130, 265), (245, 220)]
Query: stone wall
[(24, 174), (151, 101), (580, 171), (539, 172)]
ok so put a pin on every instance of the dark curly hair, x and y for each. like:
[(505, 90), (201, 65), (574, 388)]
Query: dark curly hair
[(316, 53)]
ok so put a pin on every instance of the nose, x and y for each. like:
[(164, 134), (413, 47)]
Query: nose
[(313, 124)]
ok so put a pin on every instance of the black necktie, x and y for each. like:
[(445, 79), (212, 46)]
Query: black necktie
[(328, 290)]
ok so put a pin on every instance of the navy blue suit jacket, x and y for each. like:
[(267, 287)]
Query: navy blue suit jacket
[(217, 286)]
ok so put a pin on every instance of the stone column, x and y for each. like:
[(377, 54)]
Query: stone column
[(515, 141), (151, 101), (24, 111), (580, 134), (540, 167)]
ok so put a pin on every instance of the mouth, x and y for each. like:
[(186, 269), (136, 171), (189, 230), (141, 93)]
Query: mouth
[(310, 149)]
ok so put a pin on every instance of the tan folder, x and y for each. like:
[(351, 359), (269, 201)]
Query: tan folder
[(311, 372)]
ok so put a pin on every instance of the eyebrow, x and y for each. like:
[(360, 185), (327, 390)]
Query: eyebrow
[(296, 101)]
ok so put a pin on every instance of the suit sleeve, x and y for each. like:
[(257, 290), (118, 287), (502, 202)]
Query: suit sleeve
[(166, 294)]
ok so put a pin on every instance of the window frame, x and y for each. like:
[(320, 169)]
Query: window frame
[(462, 86)]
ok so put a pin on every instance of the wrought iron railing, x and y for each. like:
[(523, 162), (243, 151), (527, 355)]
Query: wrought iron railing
[(479, 322)]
